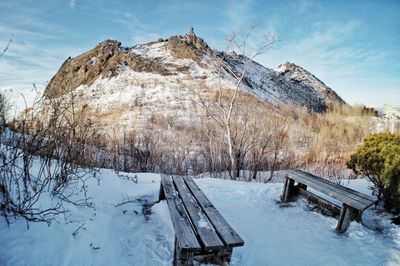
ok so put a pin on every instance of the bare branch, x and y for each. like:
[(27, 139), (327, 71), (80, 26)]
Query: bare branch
[(7, 46)]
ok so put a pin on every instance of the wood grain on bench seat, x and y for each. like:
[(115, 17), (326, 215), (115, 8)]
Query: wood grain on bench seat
[(346, 195), (224, 230), (205, 231), (200, 230), (183, 229)]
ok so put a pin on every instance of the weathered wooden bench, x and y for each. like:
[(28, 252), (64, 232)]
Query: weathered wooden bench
[(353, 202), (200, 230)]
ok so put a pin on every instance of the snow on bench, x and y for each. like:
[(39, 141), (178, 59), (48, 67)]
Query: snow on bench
[(353, 202), (200, 230)]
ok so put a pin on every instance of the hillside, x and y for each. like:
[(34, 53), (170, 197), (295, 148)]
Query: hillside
[(121, 86)]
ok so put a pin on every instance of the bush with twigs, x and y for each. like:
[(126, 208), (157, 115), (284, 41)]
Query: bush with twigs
[(378, 159)]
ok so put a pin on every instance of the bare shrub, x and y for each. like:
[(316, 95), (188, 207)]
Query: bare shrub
[(46, 159), (325, 141)]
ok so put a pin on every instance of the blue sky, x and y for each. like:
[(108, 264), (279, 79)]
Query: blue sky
[(353, 46)]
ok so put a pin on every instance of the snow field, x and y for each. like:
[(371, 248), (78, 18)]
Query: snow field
[(131, 235)]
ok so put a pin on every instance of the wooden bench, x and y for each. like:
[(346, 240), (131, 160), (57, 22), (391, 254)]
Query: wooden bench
[(353, 202), (200, 230)]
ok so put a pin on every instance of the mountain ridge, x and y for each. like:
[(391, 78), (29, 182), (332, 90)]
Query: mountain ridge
[(128, 85), (107, 56)]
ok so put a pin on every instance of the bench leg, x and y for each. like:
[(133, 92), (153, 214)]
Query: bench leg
[(287, 189), (347, 214), (161, 196), (302, 186), (182, 258), (284, 189), (225, 256), (358, 216), (216, 257)]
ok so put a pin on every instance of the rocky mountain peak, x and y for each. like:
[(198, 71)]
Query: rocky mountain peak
[(290, 67), (189, 46), (109, 43), (191, 32), (198, 42), (298, 75)]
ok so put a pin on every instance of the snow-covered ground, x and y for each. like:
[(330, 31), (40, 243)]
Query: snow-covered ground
[(129, 235)]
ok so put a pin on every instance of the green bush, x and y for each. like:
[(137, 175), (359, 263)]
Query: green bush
[(378, 159)]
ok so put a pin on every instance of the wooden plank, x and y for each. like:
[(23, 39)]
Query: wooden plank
[(341, 193), (323, 203), (223, 229), (186, 237), (349, 190), (366, 200), (352, 191), (330, 191), (205, 230), (334, 192)]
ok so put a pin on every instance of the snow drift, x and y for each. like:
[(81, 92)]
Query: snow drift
[(128, 234)]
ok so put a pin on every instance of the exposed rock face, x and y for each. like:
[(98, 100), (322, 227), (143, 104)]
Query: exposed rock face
[(297, 75), (189, 46), (104, 60), (288, 84)]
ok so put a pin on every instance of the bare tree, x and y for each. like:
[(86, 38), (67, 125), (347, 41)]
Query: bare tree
[(224, 113)]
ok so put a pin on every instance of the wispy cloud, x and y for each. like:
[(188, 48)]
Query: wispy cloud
[(237, 15), (319, 47), (305, 5), (33, 57), (72, 3), (323, 53)]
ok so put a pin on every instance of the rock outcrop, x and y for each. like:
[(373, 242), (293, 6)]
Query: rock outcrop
[(189, 46), (104, 61), (295, 75)]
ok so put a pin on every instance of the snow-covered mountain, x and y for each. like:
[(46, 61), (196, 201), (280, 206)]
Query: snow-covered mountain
[(391, 113), (127, 85), (300, 79)]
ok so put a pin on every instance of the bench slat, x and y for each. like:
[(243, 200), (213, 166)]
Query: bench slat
[(223, 229), (347, 189), (336, 193), (331, 191), (204, 228), (348, 192), (186, 237)]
